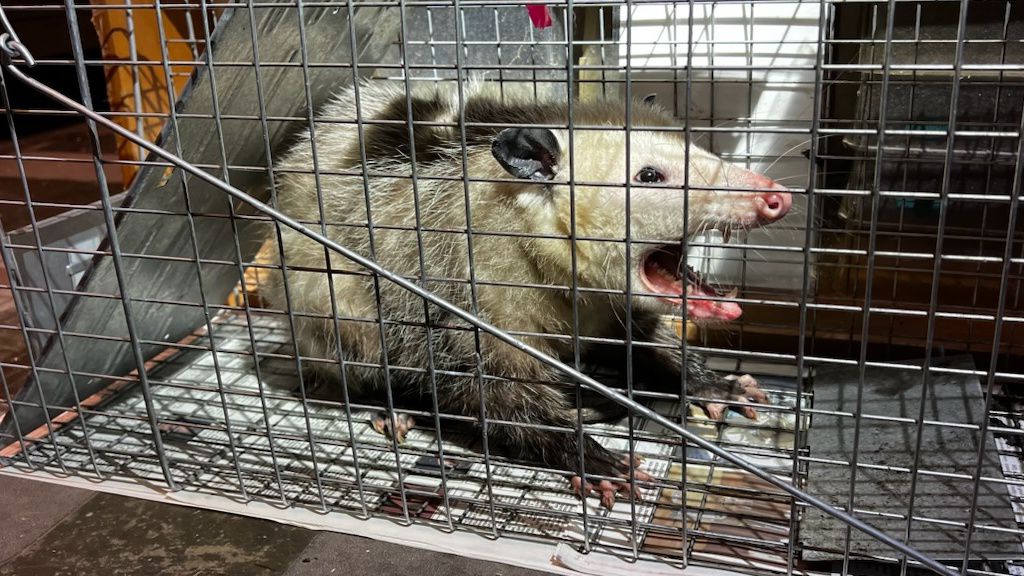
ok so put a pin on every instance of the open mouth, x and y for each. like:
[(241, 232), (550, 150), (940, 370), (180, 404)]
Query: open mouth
[(662, 272)]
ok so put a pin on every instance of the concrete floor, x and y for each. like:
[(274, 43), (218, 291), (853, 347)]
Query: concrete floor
[(51, 530)]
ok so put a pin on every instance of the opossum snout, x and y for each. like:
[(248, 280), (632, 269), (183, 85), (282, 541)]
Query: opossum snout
[(772, 206)]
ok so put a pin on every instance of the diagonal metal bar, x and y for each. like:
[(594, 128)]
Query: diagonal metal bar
[(498, 333)]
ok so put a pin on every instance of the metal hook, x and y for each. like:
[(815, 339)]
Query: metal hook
[(10, 43)]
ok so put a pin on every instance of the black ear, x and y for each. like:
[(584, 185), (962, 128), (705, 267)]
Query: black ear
[(650, 98), (530, 153)]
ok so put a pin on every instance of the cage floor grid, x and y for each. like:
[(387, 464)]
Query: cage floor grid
[(734, 519)]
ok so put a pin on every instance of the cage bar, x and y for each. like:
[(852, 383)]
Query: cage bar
[(159, 308)]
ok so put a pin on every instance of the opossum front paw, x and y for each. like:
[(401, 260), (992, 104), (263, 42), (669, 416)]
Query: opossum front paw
[(397, 427), (744, 389), (599, 461)]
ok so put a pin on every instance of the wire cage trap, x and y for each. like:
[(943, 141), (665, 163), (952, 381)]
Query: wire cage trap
[(881, 316)]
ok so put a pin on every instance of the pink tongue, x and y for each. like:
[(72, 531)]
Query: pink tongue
[(707, 309)]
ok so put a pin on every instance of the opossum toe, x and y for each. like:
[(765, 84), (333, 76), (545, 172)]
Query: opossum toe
[(750, 393), (715, 410), (637, 472), (608, 491), (751, 390), (616, 471), (397, 427), (637, 460), (755, 394), (580, 488), (627, 488)]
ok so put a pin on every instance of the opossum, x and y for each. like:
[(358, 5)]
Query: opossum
[(515, 183)]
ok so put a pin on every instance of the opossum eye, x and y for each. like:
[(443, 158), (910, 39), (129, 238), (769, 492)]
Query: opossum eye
[(649, 175)]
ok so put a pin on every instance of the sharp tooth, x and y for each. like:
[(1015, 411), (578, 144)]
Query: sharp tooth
[(689, 289), (727, 234), (732, 293)]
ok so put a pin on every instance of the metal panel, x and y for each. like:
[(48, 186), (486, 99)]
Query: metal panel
[(73, 234), (151, 283)]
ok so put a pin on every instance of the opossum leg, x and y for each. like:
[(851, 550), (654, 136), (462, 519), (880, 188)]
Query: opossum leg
[(661, 367), (396, 427), (513, 408)]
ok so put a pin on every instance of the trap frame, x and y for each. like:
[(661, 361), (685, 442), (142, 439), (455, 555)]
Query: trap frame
[(904, 264)]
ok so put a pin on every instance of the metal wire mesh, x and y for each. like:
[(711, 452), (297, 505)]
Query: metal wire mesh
[(162, 339)]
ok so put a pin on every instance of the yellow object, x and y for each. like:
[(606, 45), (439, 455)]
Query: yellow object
[(132, 35), (691, 329), (254, 277)]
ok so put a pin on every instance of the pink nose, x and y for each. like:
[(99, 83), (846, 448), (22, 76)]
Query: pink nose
[(775, 205), (770, 205)]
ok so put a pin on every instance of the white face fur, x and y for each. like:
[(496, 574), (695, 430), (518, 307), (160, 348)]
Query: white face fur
[(662, 211)]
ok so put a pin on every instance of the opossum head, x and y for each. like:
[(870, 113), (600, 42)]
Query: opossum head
[(673, 194)]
